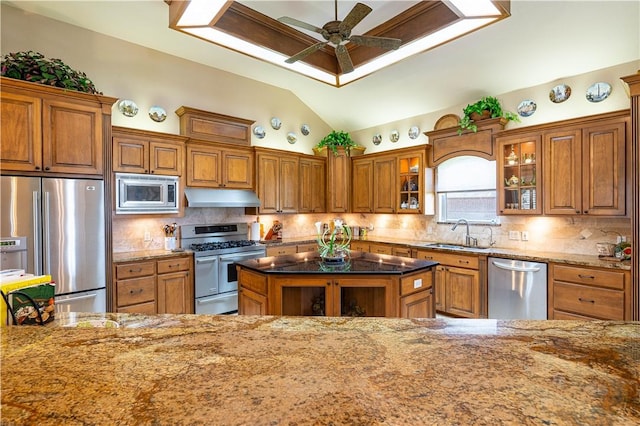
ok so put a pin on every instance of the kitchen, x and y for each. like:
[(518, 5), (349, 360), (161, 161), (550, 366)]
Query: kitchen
[(166, 350)]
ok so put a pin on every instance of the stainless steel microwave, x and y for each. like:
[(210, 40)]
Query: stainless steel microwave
[(146, 194)]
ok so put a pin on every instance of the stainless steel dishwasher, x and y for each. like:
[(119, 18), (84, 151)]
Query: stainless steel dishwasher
[(517, 289)]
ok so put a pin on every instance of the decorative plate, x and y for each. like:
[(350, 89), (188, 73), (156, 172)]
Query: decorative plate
[(560, 93), (128, 108), (157, 114), (394, 136), (276, 123), (527, 108), (291, 138), (447, 121), (377, 139), (305, 130), (259, 132), (598, 92), (414, 132)]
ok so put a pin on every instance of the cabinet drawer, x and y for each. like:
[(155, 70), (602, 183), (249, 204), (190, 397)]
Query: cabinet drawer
[(416, 283), (456, 260), (254, 282), (591, 301), (132, 270), (402, 251), (148, 308), (173, 265), (359, 246), (595, 277), (307, 247), (380, 249), (281, 250), (136, 290)]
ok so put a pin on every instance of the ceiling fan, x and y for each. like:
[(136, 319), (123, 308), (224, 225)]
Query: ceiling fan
[(337, 33)]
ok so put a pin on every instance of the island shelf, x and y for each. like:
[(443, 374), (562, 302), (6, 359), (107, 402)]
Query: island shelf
[(366, 284)]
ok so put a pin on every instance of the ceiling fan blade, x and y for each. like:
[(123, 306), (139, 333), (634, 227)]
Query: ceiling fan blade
[(344, 60), (306, 52), (371, 41), (354, 17), (297, 23)]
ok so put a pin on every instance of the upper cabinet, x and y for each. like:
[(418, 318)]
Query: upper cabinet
[(139, 151), (585, 168), (277, 181), (312, 184), (338, 182), (219, 166), (519, 174), (50, 130)]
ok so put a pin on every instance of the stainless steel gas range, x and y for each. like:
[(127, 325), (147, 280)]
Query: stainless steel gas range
[(216, 250)]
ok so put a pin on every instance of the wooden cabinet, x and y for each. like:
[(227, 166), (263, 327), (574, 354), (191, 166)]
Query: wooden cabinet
[(363, 246), (588, 293), (281, 250), (401, 251), (308, 247), (154, 286), (219, 166), (585, 168), (384, 191), (380, 248), (362, 185), (460, 283), (312, 185), (252, 293), (338, 182), (51, 130), (140, 151), (277, 182), (519, 174), (416, 296)]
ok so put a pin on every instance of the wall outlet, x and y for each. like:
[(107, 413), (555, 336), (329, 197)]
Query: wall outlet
[(514, 235), (525, 235), (429, 230), (147, 236)]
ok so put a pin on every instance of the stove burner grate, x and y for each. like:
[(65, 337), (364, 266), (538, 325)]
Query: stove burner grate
[(220, 245)]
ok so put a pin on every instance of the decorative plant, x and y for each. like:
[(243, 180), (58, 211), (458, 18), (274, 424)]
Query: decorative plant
[(34, 67), (487, 103), (337, 139), (328, 247)]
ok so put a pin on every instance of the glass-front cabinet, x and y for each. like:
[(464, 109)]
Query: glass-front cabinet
[(519, 174), (410, 182)]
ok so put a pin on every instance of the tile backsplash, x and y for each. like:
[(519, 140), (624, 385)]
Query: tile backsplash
[(577, 234)]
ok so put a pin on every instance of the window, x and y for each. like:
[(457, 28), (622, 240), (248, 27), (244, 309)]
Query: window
[(466, 188)]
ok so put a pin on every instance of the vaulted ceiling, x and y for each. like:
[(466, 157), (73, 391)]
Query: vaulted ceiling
[(541, 41)]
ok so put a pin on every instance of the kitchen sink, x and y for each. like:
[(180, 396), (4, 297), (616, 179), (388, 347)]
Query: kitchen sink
[(454, 246)]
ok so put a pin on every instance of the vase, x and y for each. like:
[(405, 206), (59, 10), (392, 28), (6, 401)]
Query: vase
[(333, 258)]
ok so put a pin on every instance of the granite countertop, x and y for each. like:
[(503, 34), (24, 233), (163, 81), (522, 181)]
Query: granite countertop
[(358, 264), (134, 256), (244, 370)]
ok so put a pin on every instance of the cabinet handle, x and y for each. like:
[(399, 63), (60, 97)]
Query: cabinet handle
[(37, 167), (173, 266), (136, 291), (586, 212), (577, 211), (135, 270), (46, 169), (337, 283), (586, 300), (463, 261), (328, 282), (590, 277)]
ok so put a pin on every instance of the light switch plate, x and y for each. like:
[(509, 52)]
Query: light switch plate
[(514, 235)]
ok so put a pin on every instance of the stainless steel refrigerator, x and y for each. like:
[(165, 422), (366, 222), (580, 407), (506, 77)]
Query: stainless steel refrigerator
[(64, 225)]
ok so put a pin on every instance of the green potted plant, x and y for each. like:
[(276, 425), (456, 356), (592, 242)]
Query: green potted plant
[(34, 67), (335, 140), (486, 107)]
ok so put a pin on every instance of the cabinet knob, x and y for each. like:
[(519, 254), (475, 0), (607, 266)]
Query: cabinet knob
[(586, 300), (328, 282), (577, 211), (586, 212), (37, 167), (46, 169)]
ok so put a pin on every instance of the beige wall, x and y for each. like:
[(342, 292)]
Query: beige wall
[(148, 77)]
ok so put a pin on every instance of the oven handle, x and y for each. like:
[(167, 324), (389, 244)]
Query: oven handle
[(210, 259), (241, 256)]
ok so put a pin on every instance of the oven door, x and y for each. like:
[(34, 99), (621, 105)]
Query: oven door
[(206, 276), (228, 276)]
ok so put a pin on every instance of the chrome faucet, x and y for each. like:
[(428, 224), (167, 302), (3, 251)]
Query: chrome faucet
[(468, 239)]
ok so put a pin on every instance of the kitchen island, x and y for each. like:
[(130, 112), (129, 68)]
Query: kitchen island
[(253, 370), (364, 284)]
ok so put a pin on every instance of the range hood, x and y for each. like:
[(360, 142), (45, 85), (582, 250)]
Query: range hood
[(205, 197)]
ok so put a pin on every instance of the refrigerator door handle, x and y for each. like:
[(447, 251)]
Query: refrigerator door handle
[(36, 240), (76, 298), (46, 219)]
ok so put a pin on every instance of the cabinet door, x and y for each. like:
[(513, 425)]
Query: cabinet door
[(410, 184), (288, 185), (362, 185), (21, 130), (603, 169), (130, 155), (417, 305), (338, 182), (72, 138), (165, 158), (519, 179), (312, 186), (462, 292), (203, 166), (175, 293), (562, 185), (268, 183), (384, 180), (251, 303), (237, 169)]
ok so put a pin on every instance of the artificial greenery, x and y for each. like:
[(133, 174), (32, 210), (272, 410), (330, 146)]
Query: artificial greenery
[(487, 103), (337, 139), (34, 67)]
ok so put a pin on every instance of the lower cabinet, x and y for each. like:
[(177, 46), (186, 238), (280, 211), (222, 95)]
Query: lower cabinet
[(460, 284), (588, 293), (153, 286), (281, 250)]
